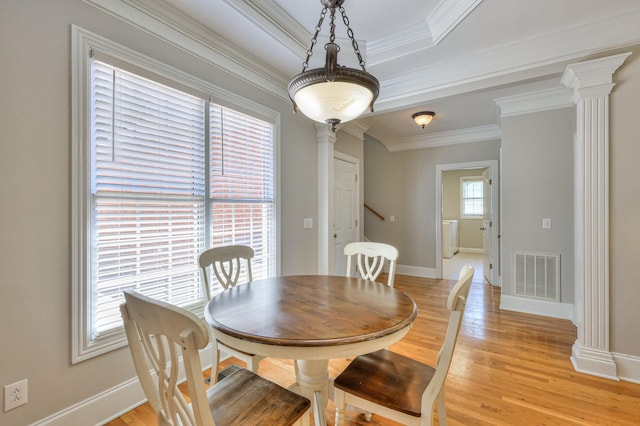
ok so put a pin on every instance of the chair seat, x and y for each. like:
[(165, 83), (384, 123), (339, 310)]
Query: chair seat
[(389, 379), (244, 398)]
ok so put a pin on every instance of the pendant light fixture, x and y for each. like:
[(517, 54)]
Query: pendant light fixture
[(423, 118), (333, 94)]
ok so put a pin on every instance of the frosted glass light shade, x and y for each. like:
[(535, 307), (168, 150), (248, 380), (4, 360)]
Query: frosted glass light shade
[(333, 94), (333, 100), (423, 118)]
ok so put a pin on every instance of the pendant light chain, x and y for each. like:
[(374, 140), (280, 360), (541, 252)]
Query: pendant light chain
[(314, 40), (354, 43), (332, 26)]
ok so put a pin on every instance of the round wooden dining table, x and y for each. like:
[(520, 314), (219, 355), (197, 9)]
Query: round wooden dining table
[(311, 319)]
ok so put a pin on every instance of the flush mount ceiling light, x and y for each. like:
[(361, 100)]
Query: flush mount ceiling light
[(333, 94), (423, 118)]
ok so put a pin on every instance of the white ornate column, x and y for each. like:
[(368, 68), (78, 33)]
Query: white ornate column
[(592, 82), (326, 141)]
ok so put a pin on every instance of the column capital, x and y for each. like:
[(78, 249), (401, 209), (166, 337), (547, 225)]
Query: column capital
[(324, 133), (354, 128), (593, 78)]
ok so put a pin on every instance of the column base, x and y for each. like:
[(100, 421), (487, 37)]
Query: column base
[(595, 362)]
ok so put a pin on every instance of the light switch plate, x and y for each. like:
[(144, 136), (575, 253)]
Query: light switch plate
[(308, 222), (546, 223)]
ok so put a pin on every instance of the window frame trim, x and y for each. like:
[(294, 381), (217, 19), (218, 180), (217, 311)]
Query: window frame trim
[(83, 42)]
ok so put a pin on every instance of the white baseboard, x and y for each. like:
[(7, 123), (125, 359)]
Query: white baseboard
[(628, 367), (537, 307), (101, 408), (470, 250), (416, 271), (108, 405)]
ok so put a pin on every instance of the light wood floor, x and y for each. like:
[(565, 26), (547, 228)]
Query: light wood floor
[(508, 369)]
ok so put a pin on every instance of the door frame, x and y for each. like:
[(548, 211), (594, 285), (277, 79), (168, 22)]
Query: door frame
[(492, 165)]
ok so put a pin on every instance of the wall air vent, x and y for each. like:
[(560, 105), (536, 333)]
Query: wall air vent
[(536, 275)]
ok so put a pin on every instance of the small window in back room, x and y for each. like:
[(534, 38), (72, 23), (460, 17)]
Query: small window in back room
[(471, 192)]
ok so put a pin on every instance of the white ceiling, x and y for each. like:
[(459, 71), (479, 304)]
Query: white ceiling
[(453, 57)]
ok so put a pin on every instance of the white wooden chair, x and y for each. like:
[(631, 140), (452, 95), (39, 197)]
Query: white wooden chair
[(370, 258), (398, 387), (226, 263), (159, 334)]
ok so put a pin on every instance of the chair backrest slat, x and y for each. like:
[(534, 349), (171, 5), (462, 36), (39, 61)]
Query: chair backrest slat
[(370, 259), (226, 265)]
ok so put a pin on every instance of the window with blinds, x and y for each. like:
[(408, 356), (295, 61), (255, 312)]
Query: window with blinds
[(171, 175)]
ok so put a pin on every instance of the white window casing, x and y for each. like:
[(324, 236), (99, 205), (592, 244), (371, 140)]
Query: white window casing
[(164, 165)]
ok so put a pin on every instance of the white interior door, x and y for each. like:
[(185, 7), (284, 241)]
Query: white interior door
[(345, 229), (487, 224)]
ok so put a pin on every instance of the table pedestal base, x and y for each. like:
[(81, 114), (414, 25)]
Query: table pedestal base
[(312, 381)]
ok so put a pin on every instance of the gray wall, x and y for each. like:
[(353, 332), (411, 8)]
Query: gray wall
[(469, 233), (624, 199), (403, 184), (35, 252), (537, 182)]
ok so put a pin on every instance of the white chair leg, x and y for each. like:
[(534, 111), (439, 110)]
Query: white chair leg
[(338, 400), (442, 412), (367, 415), (215, 364)]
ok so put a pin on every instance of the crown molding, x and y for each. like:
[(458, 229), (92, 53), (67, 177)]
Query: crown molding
[(447, 15), (412, 39), (527, 103), (276, 22), (354, 128), (177, 29), (534, 57), (473, 134), (281, 26)]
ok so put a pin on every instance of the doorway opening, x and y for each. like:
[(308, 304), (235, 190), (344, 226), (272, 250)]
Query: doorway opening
[(467, 222)]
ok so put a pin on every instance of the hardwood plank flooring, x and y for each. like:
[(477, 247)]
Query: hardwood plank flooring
[(508, 369)]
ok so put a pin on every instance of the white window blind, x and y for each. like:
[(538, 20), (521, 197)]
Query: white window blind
[(157, 201), (242, 186), (147, 189), (472, 197)]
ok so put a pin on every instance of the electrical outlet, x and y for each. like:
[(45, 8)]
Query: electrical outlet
[(15, 395)]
